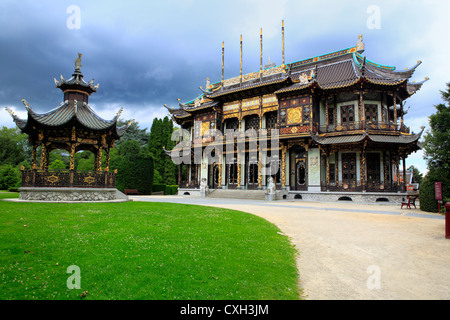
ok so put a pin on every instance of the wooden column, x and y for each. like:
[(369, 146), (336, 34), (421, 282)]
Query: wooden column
[(394, 103), (72, 157), (260, 173), (283, 165), (219, 182), (328, 168), (404, 173), (98, 159), (362, 112), (401, 115), (335, 110), (362, 168), (108, 149), (44, 158), (239, 168), (33, 156)]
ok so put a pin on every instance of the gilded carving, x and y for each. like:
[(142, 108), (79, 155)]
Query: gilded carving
[(89, 180), (205, 127), (294, 115), (52, 179)]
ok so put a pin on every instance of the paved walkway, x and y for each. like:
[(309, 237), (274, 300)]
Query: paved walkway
[(354, 251)]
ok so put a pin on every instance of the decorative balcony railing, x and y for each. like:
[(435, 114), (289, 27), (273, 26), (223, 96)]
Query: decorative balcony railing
[(361, 125), (193, 184), (68, 178), (353, 186)]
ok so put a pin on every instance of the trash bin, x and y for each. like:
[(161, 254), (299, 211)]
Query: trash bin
[(447, 220)]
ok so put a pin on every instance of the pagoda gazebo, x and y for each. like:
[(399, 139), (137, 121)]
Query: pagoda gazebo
[(72, 126)]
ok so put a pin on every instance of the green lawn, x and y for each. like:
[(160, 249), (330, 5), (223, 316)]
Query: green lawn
[(138, 250)]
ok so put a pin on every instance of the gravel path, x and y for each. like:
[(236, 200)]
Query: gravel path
[(352, 251)]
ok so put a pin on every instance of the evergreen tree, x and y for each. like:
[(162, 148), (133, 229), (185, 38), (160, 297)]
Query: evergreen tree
[(437, 154), (417, 175), (14, 147), (160, 137), (437, 140), (134, 132)]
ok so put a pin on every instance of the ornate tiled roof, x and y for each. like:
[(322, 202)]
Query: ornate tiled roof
[(382, 138), (76, 81), (66, 112), (339, 69)]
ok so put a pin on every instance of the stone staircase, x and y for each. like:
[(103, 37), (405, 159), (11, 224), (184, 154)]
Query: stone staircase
[(237, 194)]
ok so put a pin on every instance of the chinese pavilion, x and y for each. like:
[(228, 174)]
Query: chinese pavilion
[(72, 126), (340, 122)]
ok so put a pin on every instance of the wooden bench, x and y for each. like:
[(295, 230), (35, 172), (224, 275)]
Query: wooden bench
[(131, 191), (410, 200)]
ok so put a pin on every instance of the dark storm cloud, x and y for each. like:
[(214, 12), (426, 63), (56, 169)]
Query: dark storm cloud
[(133, 67)]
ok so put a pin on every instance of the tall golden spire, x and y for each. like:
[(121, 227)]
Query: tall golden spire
[(223, 58), (282, 40), (240, 74), (261, 54)]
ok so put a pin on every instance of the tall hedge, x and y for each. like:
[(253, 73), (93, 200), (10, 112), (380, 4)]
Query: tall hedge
[(134, 168), (427, 196)]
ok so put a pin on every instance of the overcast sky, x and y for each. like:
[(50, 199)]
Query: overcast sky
[(146, 54)]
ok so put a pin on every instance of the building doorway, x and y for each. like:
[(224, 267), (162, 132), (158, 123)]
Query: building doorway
[(299, 169)]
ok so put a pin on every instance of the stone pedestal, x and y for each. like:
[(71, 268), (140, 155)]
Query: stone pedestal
[(69, 194)]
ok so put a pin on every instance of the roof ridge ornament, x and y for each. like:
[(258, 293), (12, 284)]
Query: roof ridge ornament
[(25, 103), (360, 44), (75, 105), (10, 112), (78, 63)]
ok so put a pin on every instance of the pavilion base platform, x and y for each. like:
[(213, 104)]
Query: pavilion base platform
[(71, 194), (325, 196), (259, 194), (356, 197)]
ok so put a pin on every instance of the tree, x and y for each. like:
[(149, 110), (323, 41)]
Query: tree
[(57, 164), (437, 140), (437, 154), (134, 167), (160, 136), (417, 175), (133, 133), (14, 147), (9, 177)]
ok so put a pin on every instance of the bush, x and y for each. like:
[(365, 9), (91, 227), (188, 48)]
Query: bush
[(57, 165), (9, 177), (134, 168), (171, 190), (135, 173), (158, 187), (427, 197)]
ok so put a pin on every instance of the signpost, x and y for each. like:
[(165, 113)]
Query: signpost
[(438, 194)]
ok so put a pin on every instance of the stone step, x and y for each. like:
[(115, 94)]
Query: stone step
[(237, 194)]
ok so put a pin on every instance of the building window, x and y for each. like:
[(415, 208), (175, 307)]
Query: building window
[(306, 114), (271, 120), (347, 114), (371, 112), (330, 115), (232, 124), (348, 167), (252, 122), (373, 167)]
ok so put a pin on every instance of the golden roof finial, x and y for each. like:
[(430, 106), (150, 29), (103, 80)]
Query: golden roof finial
[(25, 102), (78, 62)]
